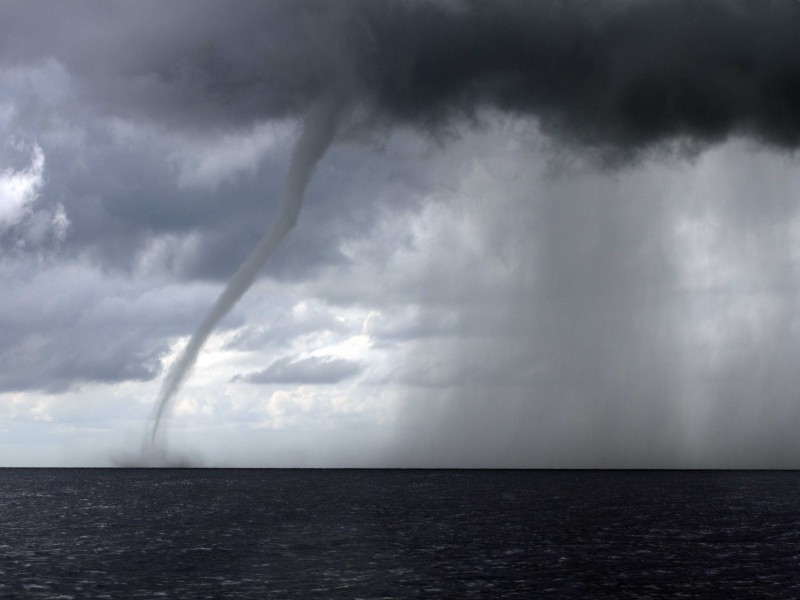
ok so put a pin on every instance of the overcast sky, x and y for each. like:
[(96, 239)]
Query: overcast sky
[(551, 234)]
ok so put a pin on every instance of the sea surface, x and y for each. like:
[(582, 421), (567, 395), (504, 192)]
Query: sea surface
[(229, 533)]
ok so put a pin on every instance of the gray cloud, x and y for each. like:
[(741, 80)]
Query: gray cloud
[(56, 336), (613, 77), (304, 371), (550, 329), (621, 73), (625, 74)]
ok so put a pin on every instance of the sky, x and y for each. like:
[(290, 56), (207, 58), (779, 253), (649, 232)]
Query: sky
[(533, 235)]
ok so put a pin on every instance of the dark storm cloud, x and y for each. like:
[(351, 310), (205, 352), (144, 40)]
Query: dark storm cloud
[(611, 76), (618, 73), (304, 371), (624, 74)]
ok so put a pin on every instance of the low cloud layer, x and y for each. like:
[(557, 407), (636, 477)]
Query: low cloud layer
[(313, 370)]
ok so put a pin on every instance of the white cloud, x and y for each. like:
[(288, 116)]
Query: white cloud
[(19, 192), (20, 189)]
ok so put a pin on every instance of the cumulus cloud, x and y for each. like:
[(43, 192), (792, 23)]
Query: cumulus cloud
[(65, 325), (304, 371), (19, 189), (24, 224)]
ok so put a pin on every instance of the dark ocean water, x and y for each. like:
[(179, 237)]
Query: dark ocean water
[(77, 533)]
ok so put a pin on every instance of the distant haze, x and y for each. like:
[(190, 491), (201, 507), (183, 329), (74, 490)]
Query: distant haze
[(551, 234)]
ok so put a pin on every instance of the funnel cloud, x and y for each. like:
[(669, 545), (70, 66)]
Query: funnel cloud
[(549, 234), (318, 130)]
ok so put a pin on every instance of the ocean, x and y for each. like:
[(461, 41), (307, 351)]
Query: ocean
[(274, 533)]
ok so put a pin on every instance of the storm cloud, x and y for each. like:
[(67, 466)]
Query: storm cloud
[(545, 234), (625, 74)]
